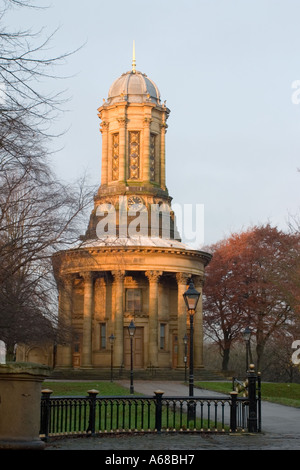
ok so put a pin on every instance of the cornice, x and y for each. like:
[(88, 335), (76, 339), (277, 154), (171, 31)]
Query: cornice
[(128, 104), (87, 251)]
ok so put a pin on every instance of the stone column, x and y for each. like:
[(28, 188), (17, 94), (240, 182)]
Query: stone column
[(64, 351), (119, 318), (153, 277), (88, 299), (20, 405), (198, 325), (122, 148), (146, 150), (182, 279)]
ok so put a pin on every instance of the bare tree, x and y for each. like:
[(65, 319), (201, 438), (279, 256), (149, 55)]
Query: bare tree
[(38, 216), (38, 213), (26, 111)]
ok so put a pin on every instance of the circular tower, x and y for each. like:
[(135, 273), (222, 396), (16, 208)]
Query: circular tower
[(131, 263)]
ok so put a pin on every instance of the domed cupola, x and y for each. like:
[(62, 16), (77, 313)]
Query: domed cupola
[(133, 87)]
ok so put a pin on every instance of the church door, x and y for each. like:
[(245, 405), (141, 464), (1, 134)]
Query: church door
[(137, 348), (77, 351)]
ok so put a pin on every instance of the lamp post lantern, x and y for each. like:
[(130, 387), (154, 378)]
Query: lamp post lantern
[(191, 298), (131, 331), (247, 336), (111, 340)]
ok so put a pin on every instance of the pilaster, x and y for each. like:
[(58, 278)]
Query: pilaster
[(104, 169), (146, 150), (122, 148), (163, 128)]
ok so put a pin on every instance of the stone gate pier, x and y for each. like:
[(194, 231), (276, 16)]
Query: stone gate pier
[(20, 399)]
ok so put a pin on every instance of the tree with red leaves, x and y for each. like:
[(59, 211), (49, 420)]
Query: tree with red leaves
[(252, 280)]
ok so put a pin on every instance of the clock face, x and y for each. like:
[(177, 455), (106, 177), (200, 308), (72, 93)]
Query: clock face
[(135, 202)]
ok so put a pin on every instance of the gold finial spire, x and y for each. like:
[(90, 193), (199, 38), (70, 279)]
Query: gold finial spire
[(133, 58)]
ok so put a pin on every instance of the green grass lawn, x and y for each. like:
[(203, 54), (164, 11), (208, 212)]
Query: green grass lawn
[(81, 388), (282, 393)]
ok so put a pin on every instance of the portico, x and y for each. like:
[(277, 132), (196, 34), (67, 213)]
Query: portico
[(101, 302)]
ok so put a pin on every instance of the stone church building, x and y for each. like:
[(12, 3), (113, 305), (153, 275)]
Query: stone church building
[(130, 264)]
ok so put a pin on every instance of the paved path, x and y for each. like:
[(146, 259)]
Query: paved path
[(276, 419), (280, 426)]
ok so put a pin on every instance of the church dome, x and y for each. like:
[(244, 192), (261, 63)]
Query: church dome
[(134, 87)]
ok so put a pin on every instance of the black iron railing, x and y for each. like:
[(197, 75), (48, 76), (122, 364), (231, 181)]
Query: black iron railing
[(95, 414)]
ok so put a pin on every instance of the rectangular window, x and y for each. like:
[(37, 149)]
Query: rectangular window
[(133, 300), (76, 344), (162, 338), (103, 335)]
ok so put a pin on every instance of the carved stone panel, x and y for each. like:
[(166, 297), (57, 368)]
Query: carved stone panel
[(134, 155), (115, 157), (152, 157)]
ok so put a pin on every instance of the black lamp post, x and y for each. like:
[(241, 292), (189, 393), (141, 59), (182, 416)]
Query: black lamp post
[(185, 342), (111, 340), (247, 336), (191, 298), (131, 330)]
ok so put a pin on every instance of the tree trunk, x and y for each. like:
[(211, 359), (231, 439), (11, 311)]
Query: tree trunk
[(225, 359), (259, 353)]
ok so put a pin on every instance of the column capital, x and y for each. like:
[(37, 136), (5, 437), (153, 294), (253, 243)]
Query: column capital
[(182, 278), (147, 121), (163, 127), (153, 276), (104, 126), (122, 121), (88, 276), (118, 275)]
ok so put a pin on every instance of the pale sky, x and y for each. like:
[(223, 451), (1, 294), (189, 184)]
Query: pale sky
[(225, 68)]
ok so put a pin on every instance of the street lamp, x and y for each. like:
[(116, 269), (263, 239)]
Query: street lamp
[(191, 298), (247, 336), (185, 342), (131, 331), (111, 340)]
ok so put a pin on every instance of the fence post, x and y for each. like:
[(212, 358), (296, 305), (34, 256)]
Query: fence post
[(158, 410), (252, 419), (45, 413), (92, 418), (259, 400), (233, 411)]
